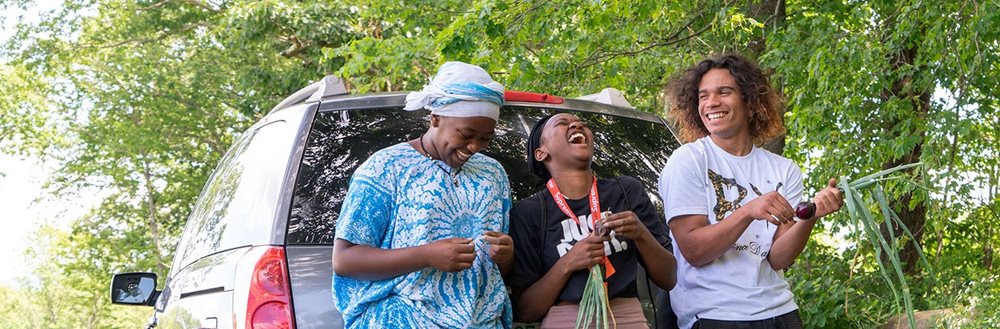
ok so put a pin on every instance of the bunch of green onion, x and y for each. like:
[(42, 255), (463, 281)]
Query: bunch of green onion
[(867, 224), (595, 309)]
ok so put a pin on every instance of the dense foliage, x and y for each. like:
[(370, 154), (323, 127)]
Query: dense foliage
[(139, 99)]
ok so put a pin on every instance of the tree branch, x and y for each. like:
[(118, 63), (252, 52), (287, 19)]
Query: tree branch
[(520, 18), (601, 56), (162, 35), (202, 5), (296, 49), (155, 5)]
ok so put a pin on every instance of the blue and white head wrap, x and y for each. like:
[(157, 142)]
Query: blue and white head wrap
[(459, 90)]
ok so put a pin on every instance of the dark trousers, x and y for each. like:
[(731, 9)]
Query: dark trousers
[(790, 320), (665, 317)]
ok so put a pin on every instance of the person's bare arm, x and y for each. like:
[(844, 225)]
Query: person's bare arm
[(661, 266), (534, 302), (369, 263), (701, 243), (791, 238), (660, 263)]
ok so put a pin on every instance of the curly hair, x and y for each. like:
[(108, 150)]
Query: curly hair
[(764, 103)]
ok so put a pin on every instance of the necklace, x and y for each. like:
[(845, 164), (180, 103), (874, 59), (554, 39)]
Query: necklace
[(452, 173)]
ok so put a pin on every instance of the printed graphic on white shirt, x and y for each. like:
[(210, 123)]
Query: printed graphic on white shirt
[(749, 242)]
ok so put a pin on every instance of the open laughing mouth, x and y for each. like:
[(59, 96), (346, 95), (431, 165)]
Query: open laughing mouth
[(716, 115), (464, 156), (577, 138)]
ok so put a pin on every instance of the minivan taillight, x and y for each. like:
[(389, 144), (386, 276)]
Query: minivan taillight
[(269, 305)]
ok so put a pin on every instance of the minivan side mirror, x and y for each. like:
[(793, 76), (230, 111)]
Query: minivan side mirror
[(138, 288)]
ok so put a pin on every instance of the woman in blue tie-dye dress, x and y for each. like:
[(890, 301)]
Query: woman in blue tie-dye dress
[(422, 234)]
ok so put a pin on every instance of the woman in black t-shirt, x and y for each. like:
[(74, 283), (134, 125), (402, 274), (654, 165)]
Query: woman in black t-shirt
[(554, 247)]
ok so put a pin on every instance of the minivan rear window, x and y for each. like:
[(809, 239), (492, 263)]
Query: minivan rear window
[(238, 204), (341, 140)]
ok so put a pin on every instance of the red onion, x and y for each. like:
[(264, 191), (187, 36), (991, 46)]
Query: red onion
[(805, 210)]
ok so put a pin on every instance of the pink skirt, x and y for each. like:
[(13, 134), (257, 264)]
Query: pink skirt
[(627, 311)]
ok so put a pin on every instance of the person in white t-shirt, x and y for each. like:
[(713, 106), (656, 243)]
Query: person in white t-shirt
[(728, 201)]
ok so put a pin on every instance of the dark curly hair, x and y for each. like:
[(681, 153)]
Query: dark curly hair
[(764, 103)]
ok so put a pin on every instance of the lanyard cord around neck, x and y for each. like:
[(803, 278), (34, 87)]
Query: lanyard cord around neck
[(595, 214)]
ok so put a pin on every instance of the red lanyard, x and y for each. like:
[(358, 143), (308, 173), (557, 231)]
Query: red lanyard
[(595, 214)]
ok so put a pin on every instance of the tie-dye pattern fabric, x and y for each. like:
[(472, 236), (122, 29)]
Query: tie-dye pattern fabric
[(398, 198)]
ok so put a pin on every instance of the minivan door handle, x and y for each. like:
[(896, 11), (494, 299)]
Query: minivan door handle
[(209, 323)]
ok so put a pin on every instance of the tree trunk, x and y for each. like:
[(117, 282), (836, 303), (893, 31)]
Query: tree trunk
[(920, 100), (993, 191), (154, 228), (772, 14)]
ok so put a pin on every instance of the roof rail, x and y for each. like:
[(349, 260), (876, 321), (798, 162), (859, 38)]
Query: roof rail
[(610, 96), (327, 86)]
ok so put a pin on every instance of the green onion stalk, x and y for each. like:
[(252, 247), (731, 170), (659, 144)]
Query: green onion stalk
[(595, 309), (864, 220)]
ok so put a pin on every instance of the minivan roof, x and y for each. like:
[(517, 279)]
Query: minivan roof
[(332, 88), (381, 100)]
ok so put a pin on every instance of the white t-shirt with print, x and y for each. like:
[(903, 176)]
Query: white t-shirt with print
[(701, 178)]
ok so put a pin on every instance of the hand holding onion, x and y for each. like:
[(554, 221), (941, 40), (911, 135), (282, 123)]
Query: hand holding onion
[(827, 201)]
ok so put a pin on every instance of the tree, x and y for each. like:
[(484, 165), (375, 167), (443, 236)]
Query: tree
[(877, 84), (860, 80), (23, 113), (147, 95)]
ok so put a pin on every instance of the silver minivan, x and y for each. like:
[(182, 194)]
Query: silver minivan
[(256, 250)]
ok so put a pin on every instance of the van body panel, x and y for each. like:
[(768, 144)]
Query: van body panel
[(201, 291), (311, 270), (300, 119)]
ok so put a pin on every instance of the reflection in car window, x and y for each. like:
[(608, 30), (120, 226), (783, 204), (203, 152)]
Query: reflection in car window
[(341, 140), (237, 206)]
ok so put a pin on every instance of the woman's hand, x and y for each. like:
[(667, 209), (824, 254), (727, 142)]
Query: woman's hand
[(450, 255), (626, 225), (501, 246), (585, 254)]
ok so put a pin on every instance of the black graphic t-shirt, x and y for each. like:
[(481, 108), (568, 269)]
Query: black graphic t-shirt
[(537, 248)]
